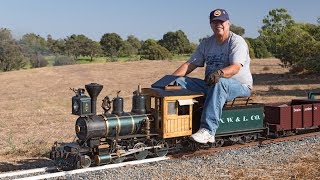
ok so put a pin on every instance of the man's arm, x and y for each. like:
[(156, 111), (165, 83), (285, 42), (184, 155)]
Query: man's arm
[(185, 69), (231, 70), (227, 72)]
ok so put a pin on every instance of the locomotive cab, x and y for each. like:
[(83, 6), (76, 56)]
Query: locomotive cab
[(171, 106)]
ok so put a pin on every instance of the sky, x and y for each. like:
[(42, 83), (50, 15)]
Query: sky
[(142, 18)]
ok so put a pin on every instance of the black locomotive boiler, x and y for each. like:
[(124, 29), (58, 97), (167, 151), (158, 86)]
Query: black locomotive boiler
[(160, 122), (107, 137)]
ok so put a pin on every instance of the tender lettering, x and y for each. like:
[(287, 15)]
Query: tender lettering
[(238, 119), (230, 119), (221, 121)]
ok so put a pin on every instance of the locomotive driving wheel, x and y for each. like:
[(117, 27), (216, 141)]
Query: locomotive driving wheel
[(86, 162), (163, 149), (218, 143), (141, 154)]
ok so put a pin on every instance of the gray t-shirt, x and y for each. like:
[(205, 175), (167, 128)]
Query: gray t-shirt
[(217, 56)]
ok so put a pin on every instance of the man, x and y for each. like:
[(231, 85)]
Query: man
[(227, 73)]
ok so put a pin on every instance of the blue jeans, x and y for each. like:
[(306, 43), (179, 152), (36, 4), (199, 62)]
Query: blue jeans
[(216, 96)]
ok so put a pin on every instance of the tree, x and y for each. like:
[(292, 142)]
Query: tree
[(201, 39), (80, 45), (94, 49), (273, 24), (127, 50), (193, 47), (259, 48), (312, 29), (35, 47), (111, 43), (134, 42), (251, 51), (11, 56), (130, 47), (176, 42), (150, 49), (72, 46), (237, 29), (35, 44), (86, 45), (298, 49), (56, 47)]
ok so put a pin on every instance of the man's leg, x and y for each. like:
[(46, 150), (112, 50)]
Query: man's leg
[(225, 89)]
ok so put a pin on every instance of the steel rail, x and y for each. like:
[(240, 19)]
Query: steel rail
[(129, 163), (29, 171), (65, 173)]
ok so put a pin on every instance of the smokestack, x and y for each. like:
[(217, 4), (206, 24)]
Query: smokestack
[(93, 90)]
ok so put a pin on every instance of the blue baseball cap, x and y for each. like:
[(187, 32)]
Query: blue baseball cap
[(219, 14)]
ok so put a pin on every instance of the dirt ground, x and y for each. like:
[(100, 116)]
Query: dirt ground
[(35, 104)]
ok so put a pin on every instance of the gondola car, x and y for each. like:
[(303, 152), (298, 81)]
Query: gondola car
[(297, 116)]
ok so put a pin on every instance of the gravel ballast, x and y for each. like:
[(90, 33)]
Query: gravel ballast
[(295, 159)]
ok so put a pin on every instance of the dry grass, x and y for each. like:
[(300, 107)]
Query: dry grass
[(35, 104)]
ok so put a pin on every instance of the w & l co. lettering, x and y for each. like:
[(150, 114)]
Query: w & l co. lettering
[(240, 119)]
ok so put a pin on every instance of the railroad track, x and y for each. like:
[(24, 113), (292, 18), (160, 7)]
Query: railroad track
[(51, 172)]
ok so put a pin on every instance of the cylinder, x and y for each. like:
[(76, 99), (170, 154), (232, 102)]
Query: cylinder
[(102, 159), (117, 106), (138, 104)]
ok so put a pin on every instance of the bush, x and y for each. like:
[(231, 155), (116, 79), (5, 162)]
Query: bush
[(63, 60), (298, 50), (153, 51), (251, 50), (258, 47), (11, 55), (38, 61)]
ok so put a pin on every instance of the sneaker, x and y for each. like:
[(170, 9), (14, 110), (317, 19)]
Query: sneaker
[(203, 136), (212, 139)]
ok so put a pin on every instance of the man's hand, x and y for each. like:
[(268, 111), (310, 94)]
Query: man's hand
[(213, 78)]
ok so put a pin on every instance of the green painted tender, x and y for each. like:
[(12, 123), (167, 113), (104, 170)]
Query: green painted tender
[(241, 119)]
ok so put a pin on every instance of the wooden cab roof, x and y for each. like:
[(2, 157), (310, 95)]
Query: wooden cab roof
[(166, 87)]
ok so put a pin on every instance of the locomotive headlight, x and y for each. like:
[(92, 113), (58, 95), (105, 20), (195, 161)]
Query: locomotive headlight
[(75, 106)]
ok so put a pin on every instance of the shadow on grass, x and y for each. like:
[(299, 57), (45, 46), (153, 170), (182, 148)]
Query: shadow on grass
[(276, 92), (25, 164), (285, 79), (273, 80)]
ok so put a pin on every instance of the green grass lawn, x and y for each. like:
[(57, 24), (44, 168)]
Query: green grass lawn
[(87, 60)]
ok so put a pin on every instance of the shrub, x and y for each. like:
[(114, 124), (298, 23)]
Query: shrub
[(63, 60), (251, 50), (11, 55), (258, 47), (38, 61), (153, 51), (298, 50)]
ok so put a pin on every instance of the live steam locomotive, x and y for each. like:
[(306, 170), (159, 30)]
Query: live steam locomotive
[(162, 119)]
